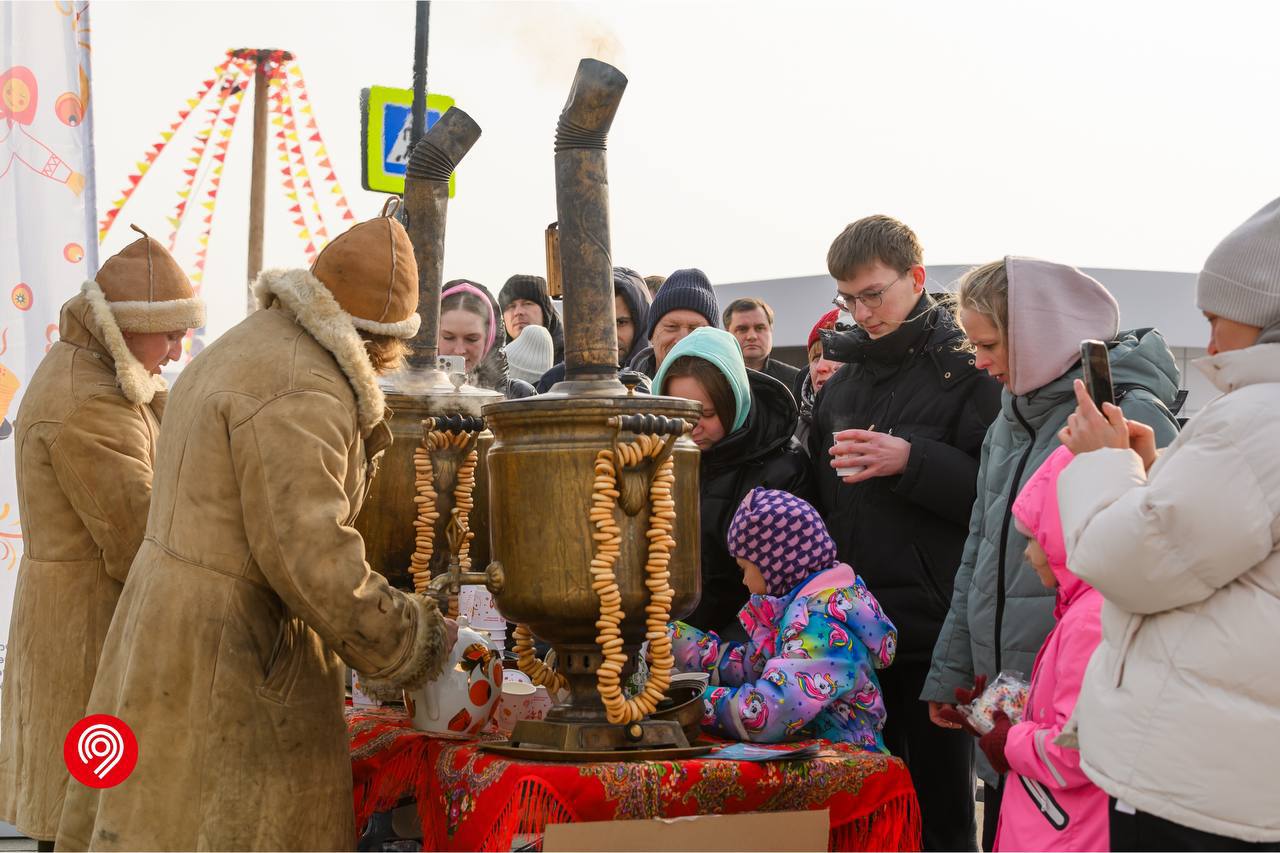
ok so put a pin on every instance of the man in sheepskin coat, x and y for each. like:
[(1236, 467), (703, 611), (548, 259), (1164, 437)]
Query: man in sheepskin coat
[(251, 589), (85, 444)]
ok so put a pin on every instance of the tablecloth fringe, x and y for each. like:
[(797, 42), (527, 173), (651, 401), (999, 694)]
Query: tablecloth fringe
[(895, 825)]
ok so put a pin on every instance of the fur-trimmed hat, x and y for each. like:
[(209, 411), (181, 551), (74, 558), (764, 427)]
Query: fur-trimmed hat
[(147, 290), (371, 272), (141, 289)]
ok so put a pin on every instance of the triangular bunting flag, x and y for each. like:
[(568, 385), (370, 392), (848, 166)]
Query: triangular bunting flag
[(304, 234), (315, 137), (297, 208), (173, 220), (311, 249), (331, 177), (221, 156), (184, 193), (291, 196), (208, 205), (297, 149), (337, 190), (191, 102), (324, 164), (278, 121), (191, 173), (347, 215)]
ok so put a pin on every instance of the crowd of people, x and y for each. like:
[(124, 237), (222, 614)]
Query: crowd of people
[(932, 500)]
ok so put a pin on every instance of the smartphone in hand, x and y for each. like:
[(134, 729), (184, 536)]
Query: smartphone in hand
[(1096, 361)]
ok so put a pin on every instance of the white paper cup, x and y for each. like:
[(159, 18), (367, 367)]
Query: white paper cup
[(850, 470)]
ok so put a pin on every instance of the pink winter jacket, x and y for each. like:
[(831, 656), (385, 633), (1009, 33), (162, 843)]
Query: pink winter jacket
[(1048, 802)]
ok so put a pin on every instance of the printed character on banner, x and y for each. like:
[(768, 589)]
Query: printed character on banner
[(19, 96), (9, 385)]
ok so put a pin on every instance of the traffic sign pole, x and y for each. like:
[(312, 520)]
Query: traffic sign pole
[(422, 31)]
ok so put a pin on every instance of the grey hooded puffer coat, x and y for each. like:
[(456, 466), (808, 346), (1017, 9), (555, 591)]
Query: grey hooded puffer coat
[(1000, 612)]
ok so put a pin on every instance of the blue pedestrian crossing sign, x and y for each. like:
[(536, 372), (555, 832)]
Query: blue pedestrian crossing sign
[(386, 126)]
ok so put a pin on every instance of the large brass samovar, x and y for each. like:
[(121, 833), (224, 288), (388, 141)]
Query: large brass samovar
[(571, 500), (425, 399)]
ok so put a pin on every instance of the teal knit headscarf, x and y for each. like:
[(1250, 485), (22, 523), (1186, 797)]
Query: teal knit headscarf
[(720, 349)]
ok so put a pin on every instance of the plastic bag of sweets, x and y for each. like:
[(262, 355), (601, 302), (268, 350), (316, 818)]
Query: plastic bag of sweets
[(1008, 693)]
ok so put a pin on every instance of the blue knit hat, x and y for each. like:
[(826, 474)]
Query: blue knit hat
[(783, 535), (720, 349), (685, 289)]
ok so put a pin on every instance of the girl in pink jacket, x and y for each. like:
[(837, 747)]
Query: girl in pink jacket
[(1048, 803)]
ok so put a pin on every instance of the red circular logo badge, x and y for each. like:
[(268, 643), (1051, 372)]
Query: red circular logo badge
[(100, 751)]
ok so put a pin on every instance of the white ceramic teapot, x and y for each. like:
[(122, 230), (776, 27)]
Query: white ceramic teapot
[(463, 699)]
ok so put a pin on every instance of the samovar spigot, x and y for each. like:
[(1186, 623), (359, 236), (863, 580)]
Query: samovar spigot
[(449, 582)]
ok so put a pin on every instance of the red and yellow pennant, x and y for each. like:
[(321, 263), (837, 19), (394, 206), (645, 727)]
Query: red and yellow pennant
[(144, 165)]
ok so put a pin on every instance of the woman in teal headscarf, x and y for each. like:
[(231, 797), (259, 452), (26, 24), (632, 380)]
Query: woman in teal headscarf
[(745, 435)]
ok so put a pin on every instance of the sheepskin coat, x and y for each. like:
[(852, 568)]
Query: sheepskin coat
[(249, 592), (84, 448)]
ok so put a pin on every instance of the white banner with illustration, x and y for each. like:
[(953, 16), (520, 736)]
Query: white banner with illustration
[(48, 230)]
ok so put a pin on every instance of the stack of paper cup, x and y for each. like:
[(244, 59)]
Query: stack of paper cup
[(476, 603)]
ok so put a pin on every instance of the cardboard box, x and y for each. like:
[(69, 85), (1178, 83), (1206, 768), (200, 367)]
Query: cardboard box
[(780, 831)]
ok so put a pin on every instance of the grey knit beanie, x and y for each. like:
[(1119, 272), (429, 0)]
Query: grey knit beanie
[(530, 355), (1241, 279)]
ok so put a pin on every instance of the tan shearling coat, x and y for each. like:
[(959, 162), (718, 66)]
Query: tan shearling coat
[(84, 450), (249, 592)]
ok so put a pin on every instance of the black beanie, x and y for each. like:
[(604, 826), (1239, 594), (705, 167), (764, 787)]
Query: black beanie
[(530, 287), (685, 289)]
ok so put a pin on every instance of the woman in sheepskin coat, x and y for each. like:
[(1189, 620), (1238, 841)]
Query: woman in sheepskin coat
[(86, 441), (251, 589)]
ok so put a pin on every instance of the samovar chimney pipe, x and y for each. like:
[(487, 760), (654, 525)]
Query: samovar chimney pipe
[(582, 207), (426, 200)]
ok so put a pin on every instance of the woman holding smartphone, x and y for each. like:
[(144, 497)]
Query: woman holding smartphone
[(1024, 320), (1180, 706)]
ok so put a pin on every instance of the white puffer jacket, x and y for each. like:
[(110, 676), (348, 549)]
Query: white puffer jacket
[(1180, 710)]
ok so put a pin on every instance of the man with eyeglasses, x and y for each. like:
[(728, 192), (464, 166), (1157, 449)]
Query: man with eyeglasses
[(897, 435)]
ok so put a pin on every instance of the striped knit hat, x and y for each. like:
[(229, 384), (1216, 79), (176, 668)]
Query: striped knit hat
[(783, 535)]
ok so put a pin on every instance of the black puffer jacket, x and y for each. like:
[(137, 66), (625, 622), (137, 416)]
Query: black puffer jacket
[(762, 452), (904, 534), (783, 372)]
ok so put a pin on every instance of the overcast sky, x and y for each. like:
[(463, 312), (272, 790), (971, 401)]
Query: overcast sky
[(1098, 133)]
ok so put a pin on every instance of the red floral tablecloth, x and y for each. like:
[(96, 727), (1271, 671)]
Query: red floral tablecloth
[(473, 800)]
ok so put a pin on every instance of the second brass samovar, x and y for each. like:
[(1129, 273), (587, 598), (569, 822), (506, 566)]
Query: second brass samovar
[(593, 489)]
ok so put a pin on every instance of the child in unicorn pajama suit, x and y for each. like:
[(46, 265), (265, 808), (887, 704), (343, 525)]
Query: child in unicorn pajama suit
[(817, 635)]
